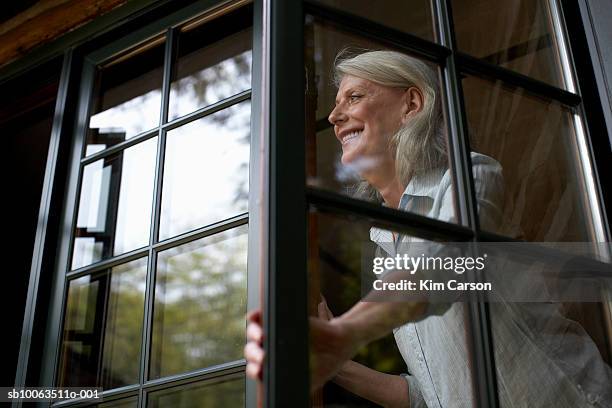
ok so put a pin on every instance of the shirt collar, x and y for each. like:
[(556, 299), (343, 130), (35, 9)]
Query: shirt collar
[(425, 183), (422, 184)]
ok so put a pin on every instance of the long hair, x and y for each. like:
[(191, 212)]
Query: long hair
[(420, 144)]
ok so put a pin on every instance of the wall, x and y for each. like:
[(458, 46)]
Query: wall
[(46, 20)]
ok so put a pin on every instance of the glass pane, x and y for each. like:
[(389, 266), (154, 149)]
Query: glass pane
[(413, 17), (554, 347), (103, 328), (206, 172), (127, 97), (214, 62), (200, 304), (421, 364), (388, 142), (131, 402), (518, 35), (228, 393), (539, 184), (115, 204)]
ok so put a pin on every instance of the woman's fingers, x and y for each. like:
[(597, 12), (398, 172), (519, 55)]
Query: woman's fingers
[(254, 356), (253, 371), (253, 353), (253, 350), (254, 316), (254, 332), (323, 310)]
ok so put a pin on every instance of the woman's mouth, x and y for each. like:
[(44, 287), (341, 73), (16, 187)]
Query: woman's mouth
[(349, 137)]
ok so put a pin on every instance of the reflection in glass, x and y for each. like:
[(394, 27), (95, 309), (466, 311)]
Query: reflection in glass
[(518, 35), (209, 74), (127, 97), (431, 354), (200, 304), (115, 204), (413, 17), (534, 140), (226, 393), (131, 402), (557, 354), (372, 113), (206, 171), (103, 328)]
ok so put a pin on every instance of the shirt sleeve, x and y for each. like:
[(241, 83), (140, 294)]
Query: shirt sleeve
[(414, 392)]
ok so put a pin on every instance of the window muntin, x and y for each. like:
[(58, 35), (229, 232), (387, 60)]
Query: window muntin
[(127, 97)]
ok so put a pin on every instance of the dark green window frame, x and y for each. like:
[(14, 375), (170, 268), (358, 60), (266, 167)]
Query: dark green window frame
[(289, 198), (280, 199)]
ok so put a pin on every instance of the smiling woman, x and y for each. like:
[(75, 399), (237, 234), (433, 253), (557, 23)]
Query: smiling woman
[(387, 120)]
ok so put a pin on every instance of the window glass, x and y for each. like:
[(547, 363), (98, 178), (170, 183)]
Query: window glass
[(386, 139), (428, 361), (127, 97), (518, 35), (115, 204), (103, 328), (213, 63), (206, 171), (200, 304), (533, 143), (226, 393), (131, 402), (413, 17)]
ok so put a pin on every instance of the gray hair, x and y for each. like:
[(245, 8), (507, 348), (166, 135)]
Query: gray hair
[(421, 144)]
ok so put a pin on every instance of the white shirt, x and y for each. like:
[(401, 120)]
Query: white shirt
[(534, 368)]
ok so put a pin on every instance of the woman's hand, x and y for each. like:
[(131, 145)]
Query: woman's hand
[(253, 350), (331, 346)]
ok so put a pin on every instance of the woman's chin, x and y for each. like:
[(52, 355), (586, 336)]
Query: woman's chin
[(349, 156)]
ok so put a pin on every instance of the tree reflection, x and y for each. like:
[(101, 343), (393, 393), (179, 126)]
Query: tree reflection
[(225, 394), (200, 303), (103, 328)]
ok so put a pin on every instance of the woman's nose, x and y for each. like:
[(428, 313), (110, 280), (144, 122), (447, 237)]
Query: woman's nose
[(336, 116)]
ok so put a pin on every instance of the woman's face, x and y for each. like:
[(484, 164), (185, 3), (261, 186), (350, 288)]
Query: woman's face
[(365, 118)]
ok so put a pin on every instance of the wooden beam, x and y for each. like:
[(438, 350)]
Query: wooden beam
[(45, 21)]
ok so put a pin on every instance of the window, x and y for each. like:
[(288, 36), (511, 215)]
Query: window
[(509, 98), (196, 175), (155, 275)]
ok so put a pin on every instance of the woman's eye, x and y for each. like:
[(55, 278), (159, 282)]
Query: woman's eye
[(355, 97)]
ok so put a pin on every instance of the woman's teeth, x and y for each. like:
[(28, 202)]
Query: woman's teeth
[(350, 136)]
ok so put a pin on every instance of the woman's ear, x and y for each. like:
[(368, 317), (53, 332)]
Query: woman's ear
[(413, 103)]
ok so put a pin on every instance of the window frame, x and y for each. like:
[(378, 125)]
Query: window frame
[(275, 111), (287, 383), (78, 77)]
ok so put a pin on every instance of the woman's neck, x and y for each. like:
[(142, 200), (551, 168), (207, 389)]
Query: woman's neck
[(386, 181), (392, 193)]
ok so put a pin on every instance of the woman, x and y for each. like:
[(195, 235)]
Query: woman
[(388, 119)]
